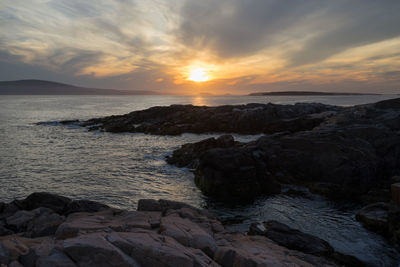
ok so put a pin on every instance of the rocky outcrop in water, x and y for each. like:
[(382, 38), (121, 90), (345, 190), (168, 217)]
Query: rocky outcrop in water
[(42, 231), (351, 155), (243, 119), (382, 218)]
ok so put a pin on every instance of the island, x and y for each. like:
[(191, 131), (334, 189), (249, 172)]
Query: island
[(41, 87), (307, 93)]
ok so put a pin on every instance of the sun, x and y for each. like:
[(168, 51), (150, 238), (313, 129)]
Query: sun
[(198, 75)]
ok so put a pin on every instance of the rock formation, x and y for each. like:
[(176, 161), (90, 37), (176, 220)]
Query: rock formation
[(350, 155), (244, 119), (50, 230)]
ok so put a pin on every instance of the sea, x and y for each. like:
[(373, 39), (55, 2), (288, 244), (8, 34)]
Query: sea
[(118, 169)]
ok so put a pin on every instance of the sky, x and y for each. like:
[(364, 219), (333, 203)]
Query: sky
[(197, 46)]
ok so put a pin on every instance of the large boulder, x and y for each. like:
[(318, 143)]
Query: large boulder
[(84, 206), (234, 173), (47, 200), (188, 154), (35, 223), (375, 217)]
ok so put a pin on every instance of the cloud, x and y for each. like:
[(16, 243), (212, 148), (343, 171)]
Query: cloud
[(313, 30), (245, 43)]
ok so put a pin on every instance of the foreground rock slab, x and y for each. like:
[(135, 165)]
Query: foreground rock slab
[(160, 233)]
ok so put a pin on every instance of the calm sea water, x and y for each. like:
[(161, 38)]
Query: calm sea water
[(120, 169)]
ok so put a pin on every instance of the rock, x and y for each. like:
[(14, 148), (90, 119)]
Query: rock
[(11, 208), (19, 221), (240, 250), (45, 224), (2, 206), (38, 222), (15, 264), (292, 238), (395, 188), (82, 223), (95, 250), (352, 153), (55, 259), (83, 206), (233, 173), (374, 217), (151, 249), (4, 230), (163, 206), (187, 233), (394, 223), (149, 205), (188, 154), (176, 234), (43, 199), (243, 119), (11, 248)]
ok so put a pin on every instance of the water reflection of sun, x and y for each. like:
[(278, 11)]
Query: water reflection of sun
[(199, 101)]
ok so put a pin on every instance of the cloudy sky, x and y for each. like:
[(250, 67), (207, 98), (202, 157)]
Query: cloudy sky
[(216, 46)]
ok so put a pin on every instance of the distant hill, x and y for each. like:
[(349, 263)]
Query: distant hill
[(41, 87), (301, 93)]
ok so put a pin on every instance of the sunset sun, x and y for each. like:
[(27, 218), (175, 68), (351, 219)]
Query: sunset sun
[(198, 75)]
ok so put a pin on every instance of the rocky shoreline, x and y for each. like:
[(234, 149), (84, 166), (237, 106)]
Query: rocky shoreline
[(349, 154), (352, 154), (51, 230)]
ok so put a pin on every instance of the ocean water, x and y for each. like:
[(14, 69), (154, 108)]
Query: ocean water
[(120, 169)]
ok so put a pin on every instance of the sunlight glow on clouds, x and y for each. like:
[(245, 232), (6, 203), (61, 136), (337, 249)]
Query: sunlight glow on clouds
[(243, 45)]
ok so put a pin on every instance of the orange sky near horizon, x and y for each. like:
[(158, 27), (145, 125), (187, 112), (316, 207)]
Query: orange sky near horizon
[(219, 47)]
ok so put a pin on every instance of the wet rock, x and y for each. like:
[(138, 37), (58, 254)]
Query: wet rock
[(163, 206), (149, 205), (395, 188), (43, 199), (352, 154), (394, 223), (374, 217), (244, 119), (233, 173), (188, 154), (83, 206), (291, 238)]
